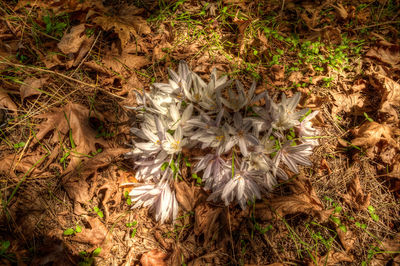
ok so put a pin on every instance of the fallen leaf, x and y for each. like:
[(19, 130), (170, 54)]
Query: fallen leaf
[(76, 42), (332, 258), (355, 197), (303, 200), (154, 257), (278, 72), (10, 164), (347, 238), (97, 235), (353, 103), (31, 86), (72, 41), (390, 94), (207, 222), (390, 254), (6, 102), (124, 26), (371, 133), (387, 53), (75, 183), (185, 195), (119, 63), (71, 121), (341, 11), (295, 77)]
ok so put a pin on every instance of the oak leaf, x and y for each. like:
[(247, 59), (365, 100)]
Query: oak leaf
[(355, 197), (31, 86), (154, 257), (371, 133), (6, 101), (124, 26), (353, 103), (96, 235), (387, 53), (303, 200), (71, 122)]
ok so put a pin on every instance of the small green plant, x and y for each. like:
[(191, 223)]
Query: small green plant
[(133, 226), (55, 24), (87, 259), (98, 211), (72, 231)]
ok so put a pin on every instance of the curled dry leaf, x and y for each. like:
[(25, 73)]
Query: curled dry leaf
[(355, 197), (96, 235), (390, 94), (154, 257), (387, 53), (303, 200), (278, 72), (76, 42), (353, 103), (31, 86), (371, 133), (185, 195), (6, 102), (347, 238), (10, 164), (207, 222)]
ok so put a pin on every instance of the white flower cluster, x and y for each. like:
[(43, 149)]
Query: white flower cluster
[(243, 143)]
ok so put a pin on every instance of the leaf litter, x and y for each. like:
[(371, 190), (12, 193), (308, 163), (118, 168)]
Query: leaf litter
[(84, 171)]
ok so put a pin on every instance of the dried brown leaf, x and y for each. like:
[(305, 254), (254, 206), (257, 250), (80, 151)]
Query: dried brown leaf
[(278, 72), (332, 258), (31, 86), (71, 42), (72, 118), (347, 238), (355, 197), (392, 248), (96, 235), (341, 11), (6, 102), (75, 183), (154, 257), (124, 26), (353, 103), (387, 53), (303, 200), (185, 195), (371, 133), (119, 63), (207, 221), (10, 164), (390, 94)]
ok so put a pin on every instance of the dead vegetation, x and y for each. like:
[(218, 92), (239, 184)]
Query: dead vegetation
[(69, 68)]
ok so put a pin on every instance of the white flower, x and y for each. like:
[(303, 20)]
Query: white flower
[(305, 130), (216, 171), (284, 115), (241, 187), (239, 100), (240, 135), (173, 144), (159, 198), (291, 156), (177, 119)]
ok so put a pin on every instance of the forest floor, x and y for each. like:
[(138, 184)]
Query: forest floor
[(69, 69)]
